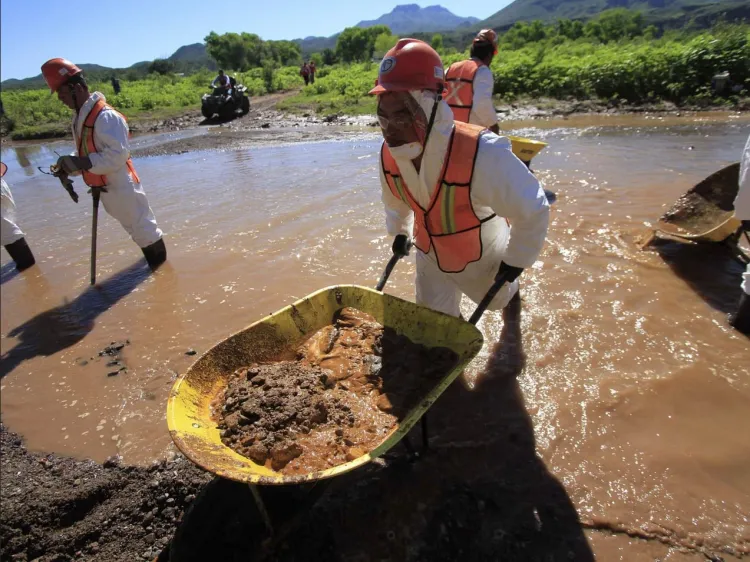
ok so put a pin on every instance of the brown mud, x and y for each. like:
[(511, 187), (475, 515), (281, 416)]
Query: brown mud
[(351, 384), (60, 509)]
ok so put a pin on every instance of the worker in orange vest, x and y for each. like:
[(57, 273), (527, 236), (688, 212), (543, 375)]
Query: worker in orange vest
[(470, 84), (11, 235), (450, 186), (103, 157)]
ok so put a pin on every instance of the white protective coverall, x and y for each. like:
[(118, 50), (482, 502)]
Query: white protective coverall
[(125, 199), (501, 184), (10, 231), (742, 204), (483, 110)]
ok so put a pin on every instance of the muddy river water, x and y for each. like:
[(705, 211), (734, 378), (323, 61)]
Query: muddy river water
[(621, 376)]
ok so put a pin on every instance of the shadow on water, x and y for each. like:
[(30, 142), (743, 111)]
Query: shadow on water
[(709, 269), (480, 493), (63, 326)]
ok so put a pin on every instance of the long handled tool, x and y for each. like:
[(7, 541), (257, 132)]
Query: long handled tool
[(96, 194)]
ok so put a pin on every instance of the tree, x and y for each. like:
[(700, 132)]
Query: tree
[(570, 28), (616, 24), (269, 74), (237, 51), (285, 53), (437, 42), (161, 66), (329, 56), (383, 44), (356, 44)]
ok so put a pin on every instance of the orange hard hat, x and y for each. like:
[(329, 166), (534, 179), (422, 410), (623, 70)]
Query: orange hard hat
[(57, 71), (3, 169), (410, 65), (487, 36)]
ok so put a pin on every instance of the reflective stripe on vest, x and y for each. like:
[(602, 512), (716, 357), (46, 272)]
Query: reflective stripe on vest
[(459, 83), (449, 224), (87, 146)]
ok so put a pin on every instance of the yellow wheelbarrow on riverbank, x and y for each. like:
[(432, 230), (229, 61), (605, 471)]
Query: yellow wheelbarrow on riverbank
[(281, 499), (705, 213)]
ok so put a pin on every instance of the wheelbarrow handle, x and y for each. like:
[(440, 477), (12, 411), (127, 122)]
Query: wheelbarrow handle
[(387, 273), (389, 267), (496, 286)]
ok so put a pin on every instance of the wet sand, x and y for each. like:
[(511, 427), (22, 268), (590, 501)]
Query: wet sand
[(608, 419)]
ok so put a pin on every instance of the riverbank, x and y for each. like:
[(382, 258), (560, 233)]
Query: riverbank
[(301, 120)]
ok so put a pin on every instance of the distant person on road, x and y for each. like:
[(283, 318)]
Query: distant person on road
[(311, 68), (116, 85), (11, 236), (100, 134), (470, 84), (222, 84), (450, 186), (304, 71), (741, 318)]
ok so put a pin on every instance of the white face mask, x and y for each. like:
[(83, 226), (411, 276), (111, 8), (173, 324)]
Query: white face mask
[(408, 151)]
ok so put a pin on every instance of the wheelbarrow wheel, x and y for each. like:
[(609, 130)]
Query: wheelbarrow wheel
[(222, 523)]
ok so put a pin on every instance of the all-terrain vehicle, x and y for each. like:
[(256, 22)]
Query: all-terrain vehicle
[(224, 104)]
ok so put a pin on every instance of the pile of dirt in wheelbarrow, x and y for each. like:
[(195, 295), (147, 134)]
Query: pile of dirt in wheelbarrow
[(705, 206), (351, 384)]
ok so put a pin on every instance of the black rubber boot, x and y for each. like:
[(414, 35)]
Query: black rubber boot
[(21, 254), (740, 320), (156, 253)]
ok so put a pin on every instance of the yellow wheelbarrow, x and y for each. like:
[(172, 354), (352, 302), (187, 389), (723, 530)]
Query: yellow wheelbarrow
[(705, 213), (282, 499), (525, 148)]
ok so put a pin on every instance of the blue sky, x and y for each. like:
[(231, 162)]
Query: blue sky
[(120, 33)]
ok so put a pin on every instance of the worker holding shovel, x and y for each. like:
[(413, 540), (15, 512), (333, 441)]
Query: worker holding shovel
[(741, 318), (103, 158), (451, 186)]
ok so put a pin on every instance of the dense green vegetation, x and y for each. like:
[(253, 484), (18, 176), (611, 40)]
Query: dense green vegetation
[(36, 114), (615, 57)]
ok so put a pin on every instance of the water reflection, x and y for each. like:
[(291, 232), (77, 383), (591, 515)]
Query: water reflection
[(24, 156)]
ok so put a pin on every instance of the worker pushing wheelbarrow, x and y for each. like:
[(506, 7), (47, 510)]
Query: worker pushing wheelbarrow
[(717, 211), (450, 189)]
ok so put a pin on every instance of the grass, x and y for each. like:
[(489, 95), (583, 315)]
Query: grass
[(34, 114)]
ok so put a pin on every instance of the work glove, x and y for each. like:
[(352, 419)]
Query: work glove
[(401, 245), (70, 164), (508, 272)]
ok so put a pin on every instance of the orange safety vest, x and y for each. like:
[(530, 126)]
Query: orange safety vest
[(459, 83), (449, 224), (87, 146)]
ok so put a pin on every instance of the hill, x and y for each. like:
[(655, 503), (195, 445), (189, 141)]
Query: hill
[(410, 18), (670, 12)]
